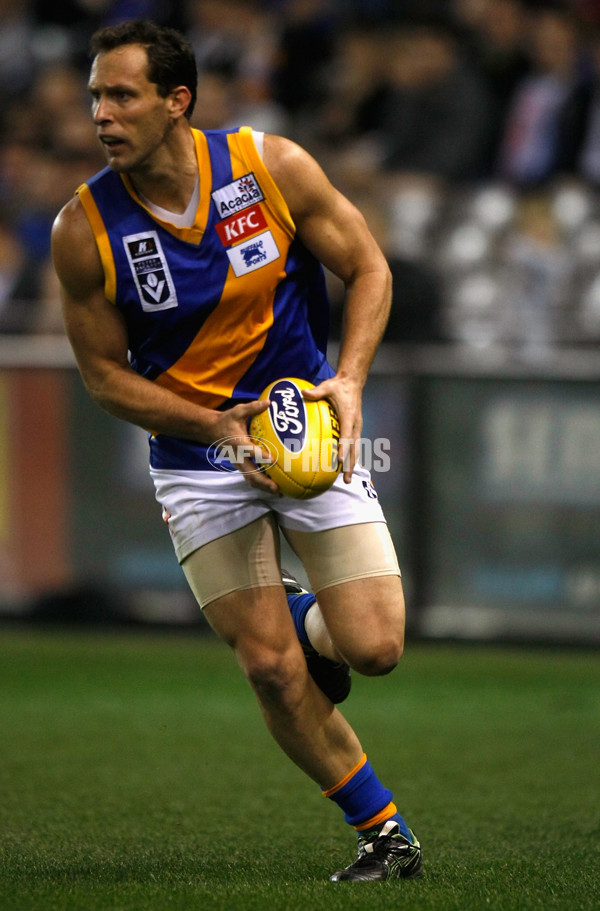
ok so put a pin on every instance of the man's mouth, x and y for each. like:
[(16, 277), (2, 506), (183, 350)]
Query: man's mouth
[(111, 142)]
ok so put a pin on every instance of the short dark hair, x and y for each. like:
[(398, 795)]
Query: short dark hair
[(171, 60)]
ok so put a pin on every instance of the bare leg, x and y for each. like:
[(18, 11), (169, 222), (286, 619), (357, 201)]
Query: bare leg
[(256, 623), (361, 623)]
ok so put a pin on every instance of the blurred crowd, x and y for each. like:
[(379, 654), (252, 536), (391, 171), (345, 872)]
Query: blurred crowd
[(467, 131)]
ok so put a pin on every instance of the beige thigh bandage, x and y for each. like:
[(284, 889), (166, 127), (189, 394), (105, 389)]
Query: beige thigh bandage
[(345, 554), (246, 558), (249, 558)]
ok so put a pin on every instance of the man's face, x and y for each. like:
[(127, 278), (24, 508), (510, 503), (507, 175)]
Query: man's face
[(132, 119)]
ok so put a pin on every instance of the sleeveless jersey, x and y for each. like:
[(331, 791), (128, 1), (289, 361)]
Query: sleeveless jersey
[(216, 311)]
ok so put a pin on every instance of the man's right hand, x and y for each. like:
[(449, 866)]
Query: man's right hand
[(231, 426)]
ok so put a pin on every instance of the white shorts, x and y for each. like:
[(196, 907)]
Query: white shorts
[(201, 506)]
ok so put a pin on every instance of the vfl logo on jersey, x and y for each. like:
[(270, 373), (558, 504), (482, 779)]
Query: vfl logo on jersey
[(237, 195), (237, 227), (150, 271), (253, 254)]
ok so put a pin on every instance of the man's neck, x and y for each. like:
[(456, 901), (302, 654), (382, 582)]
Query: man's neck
[(170, 181)]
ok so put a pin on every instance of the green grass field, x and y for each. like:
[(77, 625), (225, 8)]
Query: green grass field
[(136, 775)]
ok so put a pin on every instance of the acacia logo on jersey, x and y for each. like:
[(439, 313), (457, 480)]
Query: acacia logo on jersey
[(237, 195)]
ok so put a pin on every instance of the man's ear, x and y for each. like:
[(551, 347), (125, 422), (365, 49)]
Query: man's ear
[(179, 100)]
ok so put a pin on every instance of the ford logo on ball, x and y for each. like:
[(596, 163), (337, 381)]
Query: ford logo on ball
[(288, 414)]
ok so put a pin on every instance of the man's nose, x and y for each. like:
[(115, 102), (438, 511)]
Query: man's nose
[(101, 111)]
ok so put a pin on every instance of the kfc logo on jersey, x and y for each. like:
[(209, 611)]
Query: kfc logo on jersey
[(253, 254), (237, 195), (150, 271), (237, 227)]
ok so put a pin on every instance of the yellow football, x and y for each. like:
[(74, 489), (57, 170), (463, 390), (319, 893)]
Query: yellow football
[(301, 436)]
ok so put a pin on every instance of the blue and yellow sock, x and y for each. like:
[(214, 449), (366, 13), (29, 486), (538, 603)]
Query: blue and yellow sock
[(365, 802), (299, 606)]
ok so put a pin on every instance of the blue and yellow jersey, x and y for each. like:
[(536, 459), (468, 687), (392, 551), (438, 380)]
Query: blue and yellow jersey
[(218, 310)]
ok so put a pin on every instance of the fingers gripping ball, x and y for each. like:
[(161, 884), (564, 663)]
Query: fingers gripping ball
[(302, 437)]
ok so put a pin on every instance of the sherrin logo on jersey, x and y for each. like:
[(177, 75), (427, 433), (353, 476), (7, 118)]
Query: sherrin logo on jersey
[(237, 195), (304, 436), (150, 271)]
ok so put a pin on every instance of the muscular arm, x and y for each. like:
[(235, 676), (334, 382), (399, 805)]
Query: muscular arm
[(98, 336), (336, 233)]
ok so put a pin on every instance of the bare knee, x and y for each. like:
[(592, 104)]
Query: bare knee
[(276, 678), (365, 620), (378, 658)]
